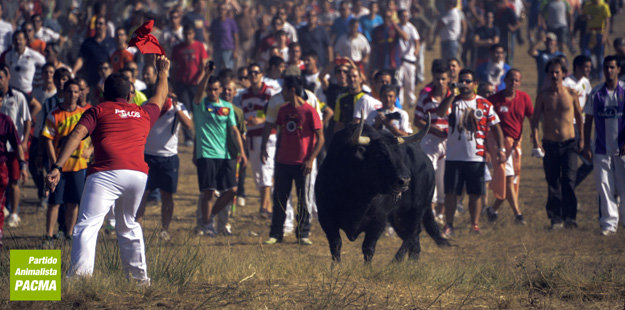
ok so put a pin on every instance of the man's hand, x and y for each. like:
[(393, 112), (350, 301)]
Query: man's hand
[(53, 179), (501, 156), (307, 167), (587, 153), (162, 64), (580, 145), (242, 159), (23, 176), (263, 155)]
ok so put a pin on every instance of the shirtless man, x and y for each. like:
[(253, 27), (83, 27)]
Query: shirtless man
[(560, 106)]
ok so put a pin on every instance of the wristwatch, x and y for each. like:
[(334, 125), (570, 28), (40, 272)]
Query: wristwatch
[(502, 150), (55, 166)]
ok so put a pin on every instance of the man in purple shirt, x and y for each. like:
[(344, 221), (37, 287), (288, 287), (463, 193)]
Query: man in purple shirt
[(8, 133), (224, 35)]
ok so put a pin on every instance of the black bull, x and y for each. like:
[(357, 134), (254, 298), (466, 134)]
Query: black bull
[(370, 178)]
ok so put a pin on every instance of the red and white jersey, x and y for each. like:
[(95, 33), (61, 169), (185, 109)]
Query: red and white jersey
[(255, 105), (428, 104), (469, 122), (118, 132)]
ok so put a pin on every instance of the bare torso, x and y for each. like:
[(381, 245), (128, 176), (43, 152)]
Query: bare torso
[(559, 113)]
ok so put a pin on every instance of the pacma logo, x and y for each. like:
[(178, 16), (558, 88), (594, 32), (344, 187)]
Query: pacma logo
[(126, 114)]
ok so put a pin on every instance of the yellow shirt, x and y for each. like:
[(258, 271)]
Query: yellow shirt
[(599, 14), (58, 127)]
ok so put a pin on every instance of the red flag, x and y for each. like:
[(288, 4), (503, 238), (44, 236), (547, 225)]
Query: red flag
[(144, 41)]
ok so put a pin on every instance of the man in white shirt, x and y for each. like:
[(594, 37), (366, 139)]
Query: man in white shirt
[(161, 155), (452, 29), (390, 117), (23, 63), (470, 118), (6, 31), (42, 33), (409, 52), (16, 107), (582, 66), (353, 45)]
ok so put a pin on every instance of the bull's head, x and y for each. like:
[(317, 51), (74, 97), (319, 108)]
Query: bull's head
[(359, 139), (377, 164)]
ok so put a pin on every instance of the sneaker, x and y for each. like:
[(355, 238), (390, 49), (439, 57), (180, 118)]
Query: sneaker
[(14, 220), (205, 230), (570, 223), (226, 230), (491, 214), (556, 226), (460, 208), (241, 201), (109, 229), (273, 240), (608, 233), (475, 229), (47, 242), (440, 219), (448, 231), (519, 220), (304, 241), (164, 235)]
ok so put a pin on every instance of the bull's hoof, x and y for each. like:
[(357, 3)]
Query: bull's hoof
[(441, 242)]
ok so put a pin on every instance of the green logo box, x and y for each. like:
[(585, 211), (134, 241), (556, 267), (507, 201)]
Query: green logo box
[(35, 275)]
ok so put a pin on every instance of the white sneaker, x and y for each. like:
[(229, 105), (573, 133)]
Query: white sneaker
[(164, 235), (14, 220), (241, 201), (608, 233)]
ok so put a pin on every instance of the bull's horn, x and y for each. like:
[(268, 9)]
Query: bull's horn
[(358, 138), (418, 136)]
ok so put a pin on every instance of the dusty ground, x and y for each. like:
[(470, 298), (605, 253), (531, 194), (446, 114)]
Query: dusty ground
[(507, 266)]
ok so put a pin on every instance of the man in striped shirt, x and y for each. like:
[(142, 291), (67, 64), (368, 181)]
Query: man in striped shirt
[(434, 143)]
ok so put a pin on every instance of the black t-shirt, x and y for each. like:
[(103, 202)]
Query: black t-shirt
[(503, 18), (485, 33)]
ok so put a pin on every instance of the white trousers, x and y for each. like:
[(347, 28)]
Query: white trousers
[(436, 149), (263, 173), (610, 181), (123, 190), (405, 77)]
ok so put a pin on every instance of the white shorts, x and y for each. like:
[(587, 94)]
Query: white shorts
[(435, 148), (509, 168), (263, 173)]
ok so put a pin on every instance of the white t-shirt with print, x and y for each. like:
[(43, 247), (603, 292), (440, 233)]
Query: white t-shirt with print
[(367, 104), (399, 119), (465, 143)]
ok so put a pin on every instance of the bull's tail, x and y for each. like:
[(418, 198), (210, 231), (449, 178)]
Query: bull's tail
[(432, 228)]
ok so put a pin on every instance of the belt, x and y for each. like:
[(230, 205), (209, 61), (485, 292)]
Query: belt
[(413, 62)]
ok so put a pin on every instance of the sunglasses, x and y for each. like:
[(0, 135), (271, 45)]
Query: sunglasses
[(214, 89), (254, 72), (465, 81)]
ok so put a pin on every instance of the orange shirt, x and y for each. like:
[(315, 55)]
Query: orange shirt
[(38, 45), (58, 127)]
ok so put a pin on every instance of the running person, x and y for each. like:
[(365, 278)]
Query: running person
[(118, 175)]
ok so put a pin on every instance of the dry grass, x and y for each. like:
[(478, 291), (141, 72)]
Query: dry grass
[(506, 267)]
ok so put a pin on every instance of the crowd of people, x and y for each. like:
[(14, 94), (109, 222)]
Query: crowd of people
[(95, 123)]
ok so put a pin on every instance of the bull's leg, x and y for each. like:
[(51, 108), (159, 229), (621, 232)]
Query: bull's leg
[(335, 242), (412, 246), (372, 234)]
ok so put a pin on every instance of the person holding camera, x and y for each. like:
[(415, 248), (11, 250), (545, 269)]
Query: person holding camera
[(470, 118)]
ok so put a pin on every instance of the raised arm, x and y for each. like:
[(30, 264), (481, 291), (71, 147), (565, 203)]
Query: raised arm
[(162, 86), (443, 108), (201, 88)]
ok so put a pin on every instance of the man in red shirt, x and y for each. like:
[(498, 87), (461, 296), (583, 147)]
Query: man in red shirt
[(117, 178), (512, 106), (300, 138), (188, 58), (8, 135)]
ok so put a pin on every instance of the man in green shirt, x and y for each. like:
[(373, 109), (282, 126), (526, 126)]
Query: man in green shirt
[(213, 118)]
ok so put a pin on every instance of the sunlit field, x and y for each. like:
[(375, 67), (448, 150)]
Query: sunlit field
[(506, 266)]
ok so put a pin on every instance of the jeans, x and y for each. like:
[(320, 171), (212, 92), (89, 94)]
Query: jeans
[(284, 176), (449, 49), (597, 50), (560, 164), (185, 95), (223, 59)]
